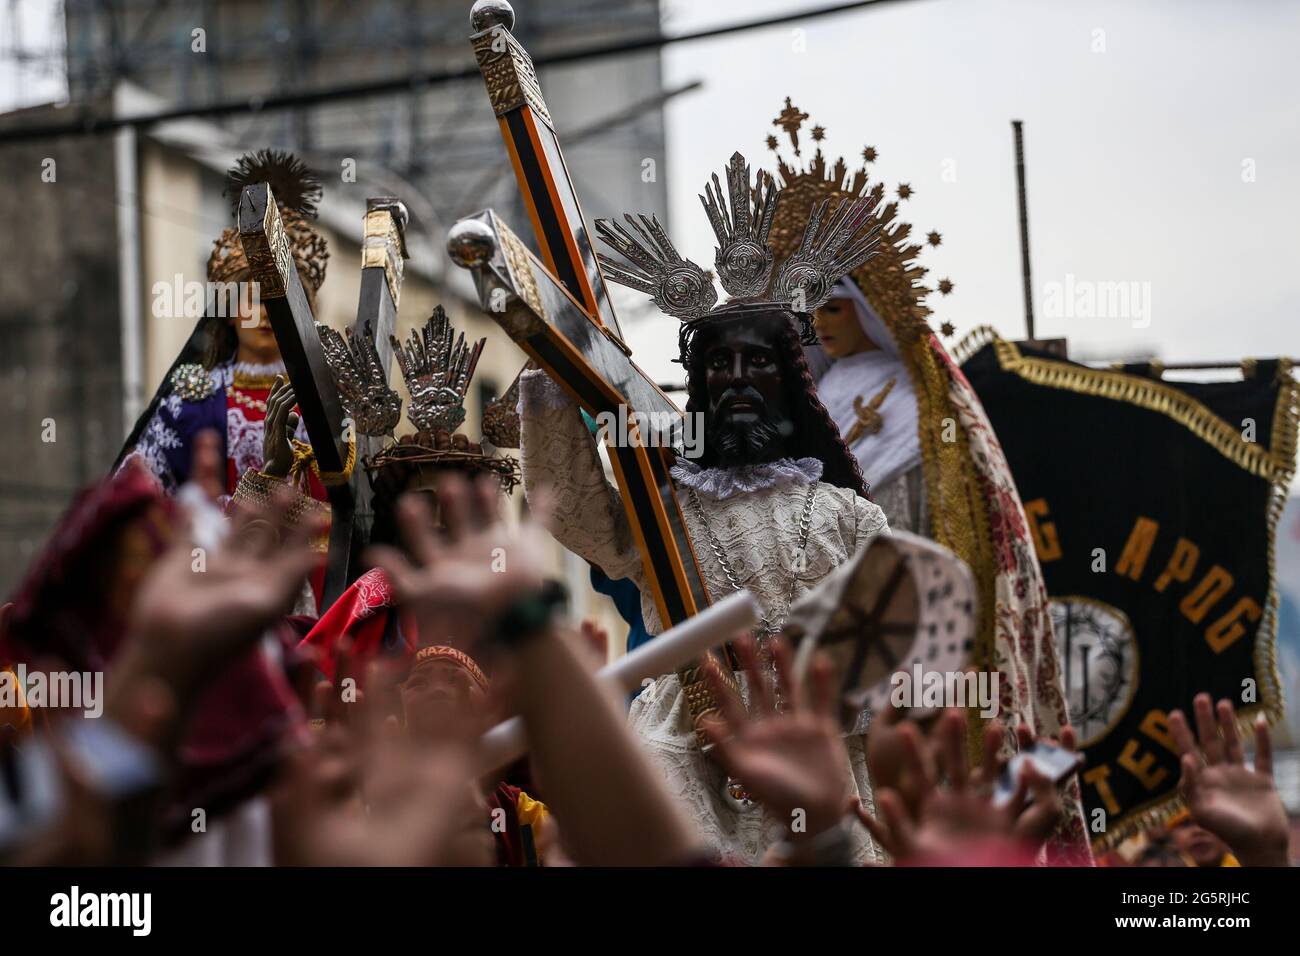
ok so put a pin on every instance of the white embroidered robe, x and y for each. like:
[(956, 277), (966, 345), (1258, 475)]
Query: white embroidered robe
[(755, 515)]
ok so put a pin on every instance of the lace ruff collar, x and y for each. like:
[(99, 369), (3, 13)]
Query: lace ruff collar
[(254, 375), (723, 483)]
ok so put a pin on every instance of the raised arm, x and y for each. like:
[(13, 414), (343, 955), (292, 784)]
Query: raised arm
[(612, 805), (559, 453)]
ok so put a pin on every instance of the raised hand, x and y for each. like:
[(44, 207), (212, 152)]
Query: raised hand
[(373, 406), (1236, 803), (477, 567), (897, 758), (83, 831), (280, 424), (365, 794), (199, 607), (960, 823), (791, 760)]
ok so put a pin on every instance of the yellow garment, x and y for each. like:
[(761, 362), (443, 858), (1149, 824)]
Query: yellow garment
[(528, 810), (533, 813)]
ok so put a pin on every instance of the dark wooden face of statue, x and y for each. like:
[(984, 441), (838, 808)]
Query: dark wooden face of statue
[(748, 419)]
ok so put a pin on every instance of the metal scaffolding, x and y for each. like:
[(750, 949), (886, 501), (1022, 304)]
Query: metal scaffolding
[(199, 52)]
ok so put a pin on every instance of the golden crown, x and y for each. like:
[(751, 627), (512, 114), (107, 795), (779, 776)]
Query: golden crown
[(891, 278), (296, 190)]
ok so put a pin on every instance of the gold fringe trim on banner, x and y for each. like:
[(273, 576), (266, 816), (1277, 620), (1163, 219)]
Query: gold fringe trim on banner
[(1276, 465), (973, 341), (1147, 816)]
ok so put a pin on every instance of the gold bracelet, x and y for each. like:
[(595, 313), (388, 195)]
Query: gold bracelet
[(259, 490), (699, 698)]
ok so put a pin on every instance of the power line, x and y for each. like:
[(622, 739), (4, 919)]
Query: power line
[(91, 125)]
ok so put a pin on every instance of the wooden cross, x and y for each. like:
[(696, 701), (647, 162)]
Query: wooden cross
[(271, 262), (559, 311), (383, 252), (549, 324), (544, 181)]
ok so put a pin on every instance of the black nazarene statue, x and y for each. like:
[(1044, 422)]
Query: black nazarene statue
[(774, 502)]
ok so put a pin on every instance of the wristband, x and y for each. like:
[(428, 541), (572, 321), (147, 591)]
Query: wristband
[(529, 616)]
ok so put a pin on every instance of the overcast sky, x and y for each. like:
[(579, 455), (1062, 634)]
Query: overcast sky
[(1144, 120), (33, 27), (1141, 121)]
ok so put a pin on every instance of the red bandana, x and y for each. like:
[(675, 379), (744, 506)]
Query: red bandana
[(362, 614)]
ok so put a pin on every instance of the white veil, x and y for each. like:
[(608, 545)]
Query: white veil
[(896, 448)]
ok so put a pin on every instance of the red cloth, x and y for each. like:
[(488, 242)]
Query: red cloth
[(72, 607), (111, 533), (362, 613)]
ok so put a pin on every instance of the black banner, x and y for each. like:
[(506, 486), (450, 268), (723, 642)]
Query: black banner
[(1152, 505)]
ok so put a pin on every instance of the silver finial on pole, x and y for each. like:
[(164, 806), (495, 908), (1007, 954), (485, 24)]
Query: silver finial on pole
[(471, 243), (486, 14)]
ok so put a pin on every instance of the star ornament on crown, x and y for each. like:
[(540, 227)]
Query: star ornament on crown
[(838, 235), (891, 278)]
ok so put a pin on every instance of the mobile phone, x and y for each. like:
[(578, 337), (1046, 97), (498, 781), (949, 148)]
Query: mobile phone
[(1049, 760)]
